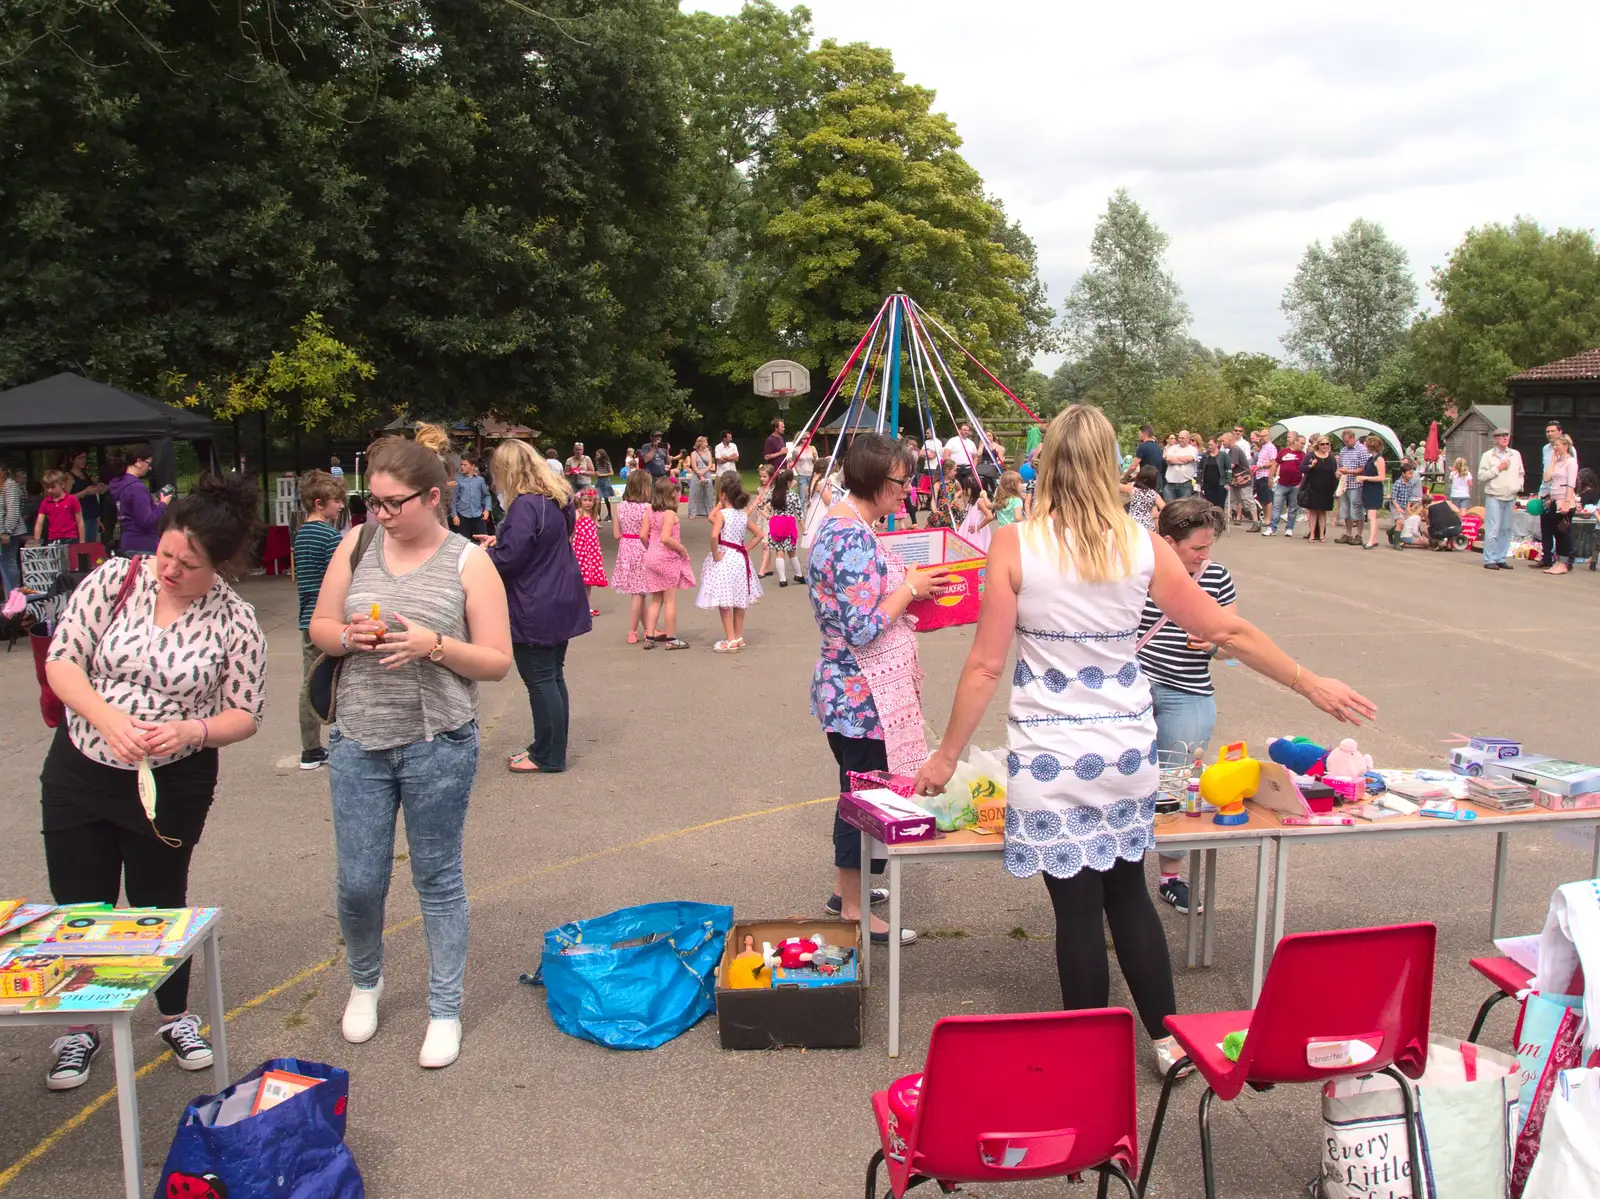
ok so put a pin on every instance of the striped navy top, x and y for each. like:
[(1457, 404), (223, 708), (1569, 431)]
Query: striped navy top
[(1166, 657), (314, 543)]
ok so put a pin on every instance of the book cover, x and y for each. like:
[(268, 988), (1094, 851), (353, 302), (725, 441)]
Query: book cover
[(278, 1085), (23, 915), (89, 930)]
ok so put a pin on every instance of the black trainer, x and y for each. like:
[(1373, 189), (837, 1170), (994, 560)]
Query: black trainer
[(74, 1055), (183, 1037), (310, 759)]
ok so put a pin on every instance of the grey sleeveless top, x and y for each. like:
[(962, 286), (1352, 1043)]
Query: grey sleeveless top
[(380, 708)]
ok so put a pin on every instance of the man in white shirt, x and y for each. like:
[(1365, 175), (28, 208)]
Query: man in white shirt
[(963, 451), (726, 454), (1181, 462), (1500, 471)]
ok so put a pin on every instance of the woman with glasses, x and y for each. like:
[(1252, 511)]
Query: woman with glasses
[(1069, 586), (865, 691), (420, 621), (1321, 479)]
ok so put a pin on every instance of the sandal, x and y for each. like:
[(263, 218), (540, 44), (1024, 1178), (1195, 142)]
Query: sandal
[(676, 643), (594, 611), (736, 644), (722, 647), (521, 763)]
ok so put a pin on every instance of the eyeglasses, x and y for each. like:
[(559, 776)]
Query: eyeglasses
[(899, 480), (392, 507)]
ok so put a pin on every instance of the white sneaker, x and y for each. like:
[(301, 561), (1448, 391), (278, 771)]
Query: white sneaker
[(442, 1045), (361, 1014), (1266, 532), (1167, 1054)]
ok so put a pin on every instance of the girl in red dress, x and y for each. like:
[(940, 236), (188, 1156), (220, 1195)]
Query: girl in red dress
[(586, 545)]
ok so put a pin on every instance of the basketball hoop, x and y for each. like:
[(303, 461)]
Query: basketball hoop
[(782, 380)]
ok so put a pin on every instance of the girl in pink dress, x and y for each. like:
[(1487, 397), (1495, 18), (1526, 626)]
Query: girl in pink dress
[(629, 527), (586, 545), (666, 566)]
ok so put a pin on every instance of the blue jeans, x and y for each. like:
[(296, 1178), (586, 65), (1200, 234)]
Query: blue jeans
[(431, 781), (1285, 501), (1184, 721), (1496, 529), (543, 671), (1176, 491), (11, 563)]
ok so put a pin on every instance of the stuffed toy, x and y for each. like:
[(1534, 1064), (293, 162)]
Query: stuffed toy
[(1297, 755), (1345, 761)]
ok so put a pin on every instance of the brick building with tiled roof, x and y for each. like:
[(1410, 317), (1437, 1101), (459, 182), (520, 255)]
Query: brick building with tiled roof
[(1566, 391)]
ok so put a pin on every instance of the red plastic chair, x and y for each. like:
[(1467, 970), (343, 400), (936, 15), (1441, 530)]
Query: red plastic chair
[(1509, 978), (1369, 984), (1010, 1098), (85, 555)]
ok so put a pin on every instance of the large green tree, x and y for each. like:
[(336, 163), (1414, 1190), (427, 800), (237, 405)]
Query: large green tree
[(1349, 304), (863, 192), (1126, 321), (1511, 297)]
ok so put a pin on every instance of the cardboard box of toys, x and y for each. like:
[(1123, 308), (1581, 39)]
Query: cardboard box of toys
[(806, 994), (957, 603)]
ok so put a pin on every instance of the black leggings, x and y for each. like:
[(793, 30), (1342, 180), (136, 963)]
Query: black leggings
[(1136, 931), (90, 863), (1555, 535), (861, 755)]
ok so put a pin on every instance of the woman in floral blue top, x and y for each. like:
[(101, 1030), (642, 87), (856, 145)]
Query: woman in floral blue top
[(859, 595)]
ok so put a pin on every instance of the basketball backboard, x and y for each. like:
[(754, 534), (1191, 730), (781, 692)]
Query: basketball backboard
[(781, 379)]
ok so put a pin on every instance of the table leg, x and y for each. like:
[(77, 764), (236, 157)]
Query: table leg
[(1502, 863), (894, 957), (1280, 891), (1258, 952), (1193, 923), (1210, 906), (219, 1024), (866, 909), (127, 1104)]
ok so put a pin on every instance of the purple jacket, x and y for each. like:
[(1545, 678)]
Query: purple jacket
[(544, 587), (137, 513)]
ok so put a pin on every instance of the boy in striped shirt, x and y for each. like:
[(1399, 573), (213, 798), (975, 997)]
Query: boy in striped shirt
[(1177, 666), (322, 497)]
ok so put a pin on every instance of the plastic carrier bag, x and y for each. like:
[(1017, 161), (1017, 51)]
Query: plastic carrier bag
[(975, 796), (635, 978), (293, 1150)]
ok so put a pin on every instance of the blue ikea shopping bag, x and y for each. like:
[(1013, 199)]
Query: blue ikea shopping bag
[(636, 978), (294, 1150)]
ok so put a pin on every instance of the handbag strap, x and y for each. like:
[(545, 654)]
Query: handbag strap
[(129, 581), (363, 540)]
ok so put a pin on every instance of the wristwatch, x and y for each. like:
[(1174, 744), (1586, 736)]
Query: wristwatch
[(436, 654), (910, 586)]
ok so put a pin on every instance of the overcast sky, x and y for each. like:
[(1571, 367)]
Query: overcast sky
[(1249, 130)]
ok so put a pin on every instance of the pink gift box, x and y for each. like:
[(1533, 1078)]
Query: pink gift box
[(890, 818), (901, 784)]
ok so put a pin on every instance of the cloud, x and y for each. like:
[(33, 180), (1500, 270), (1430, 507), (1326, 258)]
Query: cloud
[(1250, 129)]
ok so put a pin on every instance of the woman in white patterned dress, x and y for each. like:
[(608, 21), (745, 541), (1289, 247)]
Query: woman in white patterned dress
[(1082, 762)]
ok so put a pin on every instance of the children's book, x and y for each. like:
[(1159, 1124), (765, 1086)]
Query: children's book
[(23, 914), (278, 1085), (88, 930), (99, 984)]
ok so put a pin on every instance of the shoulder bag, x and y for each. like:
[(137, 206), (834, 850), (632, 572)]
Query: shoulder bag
[(322, 681)]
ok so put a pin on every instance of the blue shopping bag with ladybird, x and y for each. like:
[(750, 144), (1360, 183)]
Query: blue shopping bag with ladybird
[(277, 1133)]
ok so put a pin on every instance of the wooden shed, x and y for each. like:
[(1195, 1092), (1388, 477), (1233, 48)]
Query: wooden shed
[(1471, 437), (1567, 392)]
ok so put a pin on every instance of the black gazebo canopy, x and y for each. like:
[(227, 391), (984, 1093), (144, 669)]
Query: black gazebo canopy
[(67, 410)]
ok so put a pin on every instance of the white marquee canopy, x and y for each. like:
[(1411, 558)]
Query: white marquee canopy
[(1334, 426)]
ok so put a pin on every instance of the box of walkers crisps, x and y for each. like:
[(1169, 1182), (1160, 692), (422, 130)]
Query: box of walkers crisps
[(959, 600)]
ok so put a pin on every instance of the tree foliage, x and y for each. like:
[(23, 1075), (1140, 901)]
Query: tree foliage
[(864, 192), (1349, 305), (1510, 298), (1125, 321)]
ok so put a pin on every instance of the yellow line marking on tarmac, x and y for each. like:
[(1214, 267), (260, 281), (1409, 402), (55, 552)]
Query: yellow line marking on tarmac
[(61, 1131)]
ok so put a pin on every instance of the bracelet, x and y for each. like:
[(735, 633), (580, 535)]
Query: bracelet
[(205, 733), (912, 589), (344, 638), (1294, 686)]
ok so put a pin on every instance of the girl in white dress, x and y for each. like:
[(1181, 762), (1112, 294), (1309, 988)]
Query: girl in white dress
[(728, 582), (1069, 583)]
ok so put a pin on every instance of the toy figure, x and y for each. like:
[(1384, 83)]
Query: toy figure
[(1298, 755), (1345, 761), (798, 951), (748, 970)]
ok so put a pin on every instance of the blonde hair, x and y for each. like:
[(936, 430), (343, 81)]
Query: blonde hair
[(664, 495), (519, 470), (1009, 487), (1459, 466), (1076, 500), (432, 437)]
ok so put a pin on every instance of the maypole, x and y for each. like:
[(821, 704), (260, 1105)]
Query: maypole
[(896, 316)]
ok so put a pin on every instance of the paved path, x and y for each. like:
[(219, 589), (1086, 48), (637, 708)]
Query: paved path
[(689, 777)]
